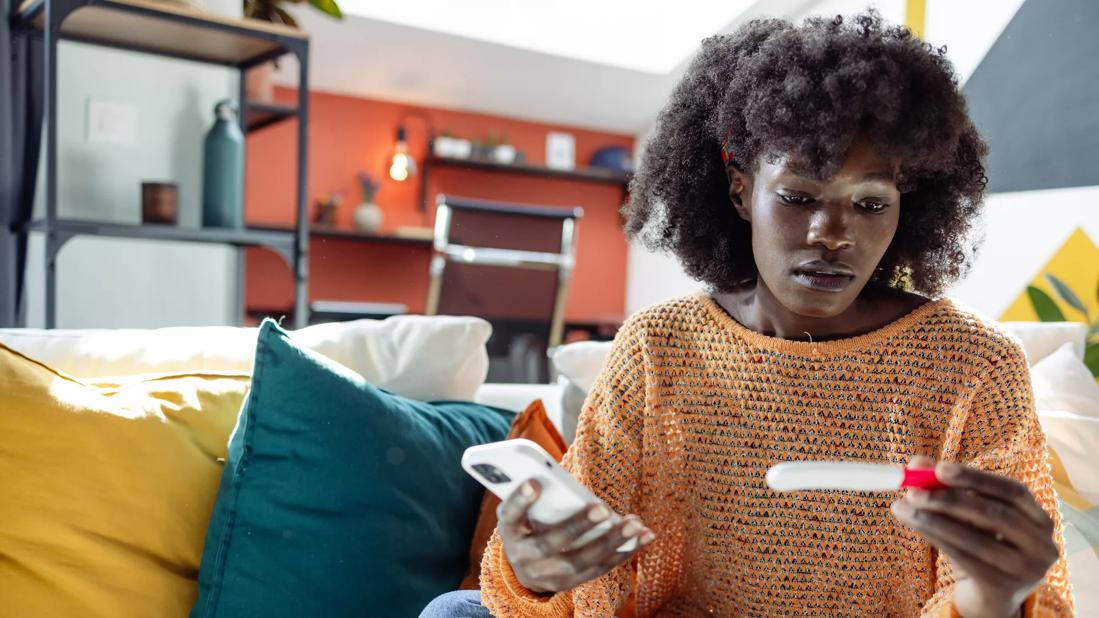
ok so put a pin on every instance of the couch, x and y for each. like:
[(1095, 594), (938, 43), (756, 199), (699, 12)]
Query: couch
[(444, 358)]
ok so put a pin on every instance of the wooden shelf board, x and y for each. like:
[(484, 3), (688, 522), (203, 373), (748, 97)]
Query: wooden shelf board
[(169, 29), (586, 174)]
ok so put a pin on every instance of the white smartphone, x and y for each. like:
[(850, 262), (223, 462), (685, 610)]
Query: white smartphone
[(503, 466)]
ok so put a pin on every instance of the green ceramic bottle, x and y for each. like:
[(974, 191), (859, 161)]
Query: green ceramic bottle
[(223, 170)]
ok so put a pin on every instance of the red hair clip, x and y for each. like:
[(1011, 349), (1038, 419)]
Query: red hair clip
[(726, 149)]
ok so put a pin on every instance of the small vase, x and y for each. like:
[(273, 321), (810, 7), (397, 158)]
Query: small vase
[(504, 153), (368, 217)]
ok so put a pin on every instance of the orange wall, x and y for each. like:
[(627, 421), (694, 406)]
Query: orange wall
[(348, 134)]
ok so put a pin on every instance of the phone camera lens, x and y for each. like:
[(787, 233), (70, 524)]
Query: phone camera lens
[(491, 473)]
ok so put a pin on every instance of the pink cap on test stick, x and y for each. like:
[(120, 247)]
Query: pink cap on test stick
[(921, 478)]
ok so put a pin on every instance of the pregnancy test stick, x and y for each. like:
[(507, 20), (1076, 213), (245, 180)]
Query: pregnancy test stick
[(849, 476)]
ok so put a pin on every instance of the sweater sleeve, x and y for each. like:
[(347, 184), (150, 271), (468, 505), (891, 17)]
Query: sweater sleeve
[(605, 457), (1000, 434)]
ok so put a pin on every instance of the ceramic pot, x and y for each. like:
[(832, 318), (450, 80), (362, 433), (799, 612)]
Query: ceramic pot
[(368, 217)]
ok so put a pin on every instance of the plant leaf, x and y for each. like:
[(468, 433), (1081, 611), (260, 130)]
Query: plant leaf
[(1044, 306), (285, 17), (1066, 294), (1091, 358), (1094, 330), (328, 7)]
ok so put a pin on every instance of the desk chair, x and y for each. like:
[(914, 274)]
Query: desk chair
[(510, 264)]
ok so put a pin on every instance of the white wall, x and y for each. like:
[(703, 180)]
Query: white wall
[(126, 283), (891, 10), (968, 29), (1018, 242)]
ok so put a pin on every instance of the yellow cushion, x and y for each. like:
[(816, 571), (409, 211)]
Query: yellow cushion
[(106, 489)]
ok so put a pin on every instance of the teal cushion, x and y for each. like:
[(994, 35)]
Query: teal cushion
[(338, 498)]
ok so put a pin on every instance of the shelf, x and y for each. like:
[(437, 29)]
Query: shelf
[(169, 29), (248, 237), (260, 115), (345, 234), (589, 174)]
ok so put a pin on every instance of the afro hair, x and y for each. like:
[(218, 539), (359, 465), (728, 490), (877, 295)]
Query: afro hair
[(772, 88)]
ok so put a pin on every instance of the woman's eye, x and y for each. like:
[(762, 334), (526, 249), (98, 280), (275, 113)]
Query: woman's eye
[(795, 199), (872, 206)]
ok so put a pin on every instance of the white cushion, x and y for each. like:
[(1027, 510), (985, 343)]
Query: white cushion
[(516, 397), (1062, 382), (1075, 440), (1040, 339), (582, 361), (99, 353), (425, 358), (579, 365)]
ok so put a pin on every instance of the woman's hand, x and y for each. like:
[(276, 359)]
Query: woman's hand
[(543, 557), (999, 541)]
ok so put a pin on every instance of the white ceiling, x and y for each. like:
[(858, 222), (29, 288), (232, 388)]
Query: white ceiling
[(642, 36), (523, 70)]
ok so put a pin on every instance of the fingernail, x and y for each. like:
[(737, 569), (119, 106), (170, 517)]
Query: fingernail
[(631, 528), (901, 509), (917, 495), (527, 490), (647, 538), (947, 469), (598, 514)]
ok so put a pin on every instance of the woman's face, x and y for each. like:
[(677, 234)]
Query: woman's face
[(817, 242)]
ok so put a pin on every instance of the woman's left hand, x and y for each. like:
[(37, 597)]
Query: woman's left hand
[(999, 541)]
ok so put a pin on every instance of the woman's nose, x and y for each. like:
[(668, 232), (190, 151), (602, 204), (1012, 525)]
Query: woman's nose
[(828, 228)]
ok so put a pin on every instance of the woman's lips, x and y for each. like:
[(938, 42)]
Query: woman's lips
[(823, 282)]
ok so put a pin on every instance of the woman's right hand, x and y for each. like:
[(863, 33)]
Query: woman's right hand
[(543, 556)]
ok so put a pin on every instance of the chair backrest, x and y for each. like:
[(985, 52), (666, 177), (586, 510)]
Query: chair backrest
[(503, 261)]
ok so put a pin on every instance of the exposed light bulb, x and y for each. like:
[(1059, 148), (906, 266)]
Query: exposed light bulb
[(399, 169), (403, 165)]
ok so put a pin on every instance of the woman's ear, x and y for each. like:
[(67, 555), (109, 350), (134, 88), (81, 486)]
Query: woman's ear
[(740, 193)]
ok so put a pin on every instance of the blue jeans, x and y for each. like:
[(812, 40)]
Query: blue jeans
[(457, 604)]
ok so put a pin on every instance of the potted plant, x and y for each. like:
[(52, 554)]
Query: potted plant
[(504, 152), (368, 216), (259, 85), (1048, 311)]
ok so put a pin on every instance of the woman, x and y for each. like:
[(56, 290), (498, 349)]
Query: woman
[(822, 179)]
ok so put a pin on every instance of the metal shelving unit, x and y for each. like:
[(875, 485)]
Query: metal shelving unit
[(161, 29), (588, 174), (281, 242)]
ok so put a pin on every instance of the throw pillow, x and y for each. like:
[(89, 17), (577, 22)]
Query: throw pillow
[(533, 424), (579, 364), (338, 498), (107, 490), (1040, 339), (582, 361), (1062, 382), (1073, 444), (425, 358)]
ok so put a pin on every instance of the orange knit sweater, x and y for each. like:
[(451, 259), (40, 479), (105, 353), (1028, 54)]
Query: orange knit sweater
[(691, 410)]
